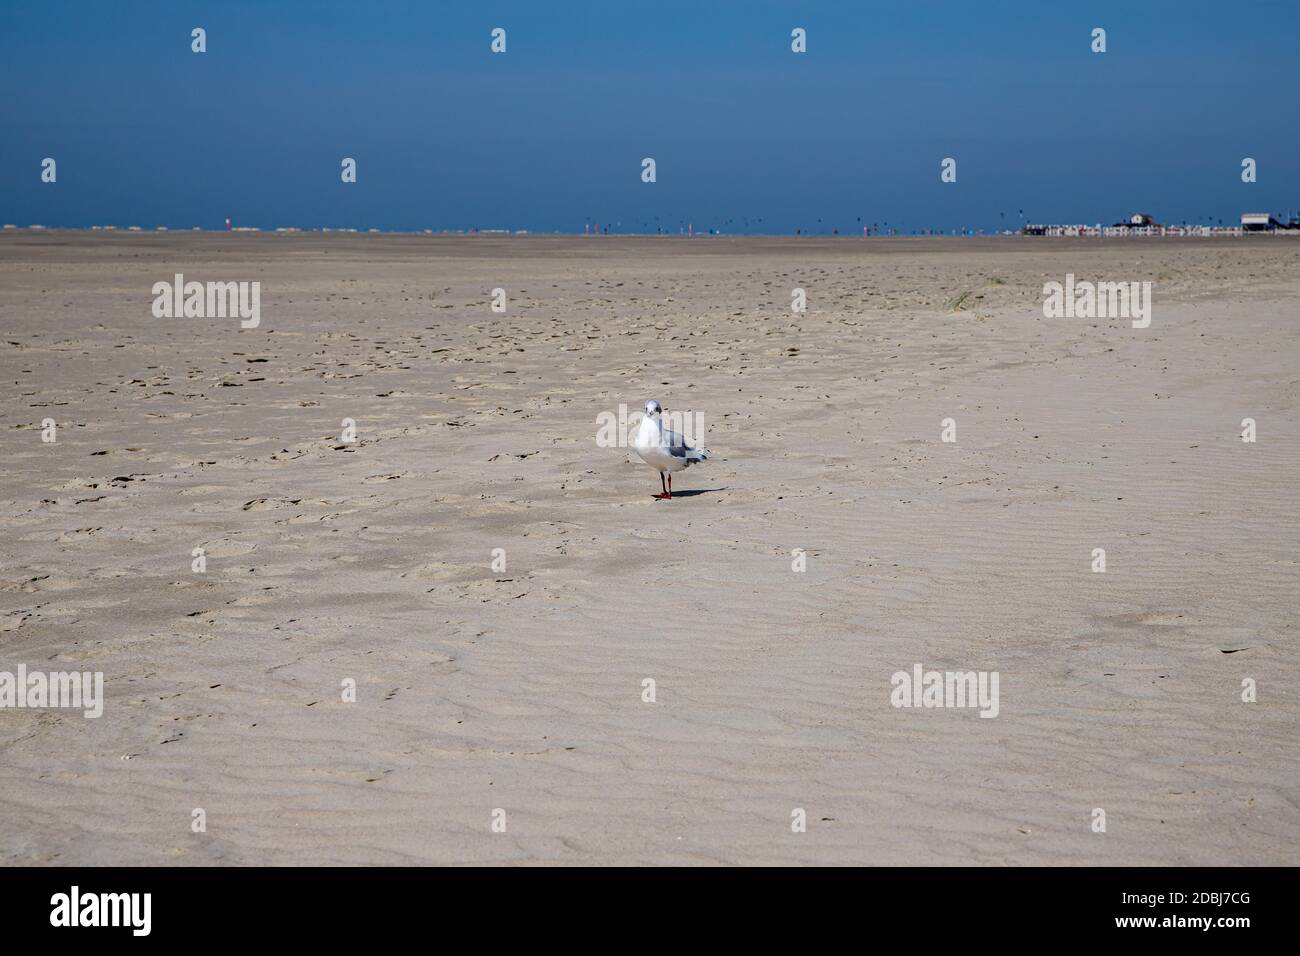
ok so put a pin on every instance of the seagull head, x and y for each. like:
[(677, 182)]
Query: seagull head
[(652, 408)]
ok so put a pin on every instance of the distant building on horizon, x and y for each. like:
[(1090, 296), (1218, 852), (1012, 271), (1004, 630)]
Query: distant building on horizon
[(1259, 222)]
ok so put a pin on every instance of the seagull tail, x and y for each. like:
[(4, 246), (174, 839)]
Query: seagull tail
[(697, 454)]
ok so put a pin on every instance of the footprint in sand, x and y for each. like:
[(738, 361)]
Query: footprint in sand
[(227, 548), (266, 504), (12, 620)]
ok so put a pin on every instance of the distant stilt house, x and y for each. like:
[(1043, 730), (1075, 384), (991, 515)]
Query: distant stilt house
[(1138, 224), (1139, 220), (1258, 222)]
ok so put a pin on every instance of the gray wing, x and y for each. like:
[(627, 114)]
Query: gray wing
[(676, 444)]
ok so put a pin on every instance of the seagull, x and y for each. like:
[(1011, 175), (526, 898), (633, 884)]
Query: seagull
[(663, 449)]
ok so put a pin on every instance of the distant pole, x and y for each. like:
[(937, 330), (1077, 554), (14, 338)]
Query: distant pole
[(587, 228), (690, 230), (227, 224)]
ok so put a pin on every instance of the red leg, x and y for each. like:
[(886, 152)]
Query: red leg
[(670, 485), (661, 485)]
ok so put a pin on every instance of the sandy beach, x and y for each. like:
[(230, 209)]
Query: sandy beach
[(515, 695)]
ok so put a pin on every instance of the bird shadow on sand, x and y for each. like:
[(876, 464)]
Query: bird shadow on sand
[(692, 492)]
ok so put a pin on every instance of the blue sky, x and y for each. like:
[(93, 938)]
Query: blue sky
[(552, 133)]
